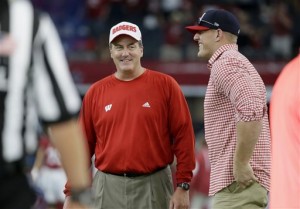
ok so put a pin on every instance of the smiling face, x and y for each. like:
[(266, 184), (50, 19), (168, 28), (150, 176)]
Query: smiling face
[(126, 53), (207, 43), (210, 40)]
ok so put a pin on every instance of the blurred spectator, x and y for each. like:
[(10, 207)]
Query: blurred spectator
[(171, 49), (252, 38), (134, 10), (281, 38), (200, 182), (168, 6), (97, 12), (48, 174), (153, 31)]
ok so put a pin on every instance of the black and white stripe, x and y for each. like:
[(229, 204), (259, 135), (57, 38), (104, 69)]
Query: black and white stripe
[(37, 78)]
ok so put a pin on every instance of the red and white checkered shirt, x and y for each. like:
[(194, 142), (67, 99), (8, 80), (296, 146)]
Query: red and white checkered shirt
[(235, 92)]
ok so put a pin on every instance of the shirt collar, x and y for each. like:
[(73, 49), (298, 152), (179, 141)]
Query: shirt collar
[(220, 51)]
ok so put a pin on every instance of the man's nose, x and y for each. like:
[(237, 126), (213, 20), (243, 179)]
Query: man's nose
[(125, 52), (196, 37)]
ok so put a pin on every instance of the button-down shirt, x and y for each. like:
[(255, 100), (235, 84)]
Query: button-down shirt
[(235, 92)]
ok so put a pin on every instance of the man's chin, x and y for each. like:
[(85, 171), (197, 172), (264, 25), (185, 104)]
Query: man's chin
[(202, 56), (126, 68)]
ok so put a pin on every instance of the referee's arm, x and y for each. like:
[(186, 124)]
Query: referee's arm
[(59, 104)]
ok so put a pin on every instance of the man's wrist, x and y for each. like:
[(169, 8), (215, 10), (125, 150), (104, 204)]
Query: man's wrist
[(184, 185), (82, 196), (240, 162)]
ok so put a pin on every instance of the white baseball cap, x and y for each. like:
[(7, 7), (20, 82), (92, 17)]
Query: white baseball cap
[(125, 28)]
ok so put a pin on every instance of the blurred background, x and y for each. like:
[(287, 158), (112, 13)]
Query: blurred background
[(269, 38), (269, 28)]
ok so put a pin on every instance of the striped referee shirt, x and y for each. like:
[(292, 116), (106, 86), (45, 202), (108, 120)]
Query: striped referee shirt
[(35, 81), (235, 92)]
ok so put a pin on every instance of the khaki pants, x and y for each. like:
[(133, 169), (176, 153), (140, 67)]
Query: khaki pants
[(144, 192), (234, 197)]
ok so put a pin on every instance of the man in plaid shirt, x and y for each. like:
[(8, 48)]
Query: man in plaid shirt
[(235, 116)]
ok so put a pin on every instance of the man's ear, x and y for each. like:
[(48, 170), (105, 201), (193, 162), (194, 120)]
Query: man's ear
[(110, 52), (110, 49), (142, 50), (219, 34)]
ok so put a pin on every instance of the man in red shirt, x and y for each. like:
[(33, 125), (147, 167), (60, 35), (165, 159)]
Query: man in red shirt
[(285, 125), (235, 116), (135, 121)]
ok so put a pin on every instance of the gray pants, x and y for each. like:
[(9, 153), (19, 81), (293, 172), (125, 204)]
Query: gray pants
[(144, 192), (235, 197)]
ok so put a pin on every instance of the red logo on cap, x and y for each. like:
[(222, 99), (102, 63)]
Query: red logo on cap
[(124, 27)]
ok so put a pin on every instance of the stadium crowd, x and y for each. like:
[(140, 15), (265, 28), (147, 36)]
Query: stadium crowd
[(269, 29)]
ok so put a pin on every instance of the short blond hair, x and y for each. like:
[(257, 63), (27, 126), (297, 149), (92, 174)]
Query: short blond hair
[(230, 37)]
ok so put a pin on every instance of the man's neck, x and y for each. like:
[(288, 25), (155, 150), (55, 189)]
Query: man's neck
[(131, 75)]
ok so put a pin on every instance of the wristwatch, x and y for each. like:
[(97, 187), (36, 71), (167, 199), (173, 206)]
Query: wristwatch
[(82, 196), (184, 186)]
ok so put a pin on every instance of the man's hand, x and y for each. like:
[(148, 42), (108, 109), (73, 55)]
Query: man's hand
[(73, 205), (180, 199), (243, 174)]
